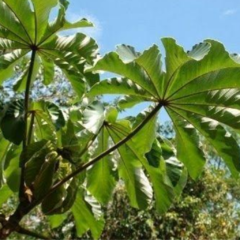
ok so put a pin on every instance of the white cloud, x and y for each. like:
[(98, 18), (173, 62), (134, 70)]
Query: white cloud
[(230, 12)]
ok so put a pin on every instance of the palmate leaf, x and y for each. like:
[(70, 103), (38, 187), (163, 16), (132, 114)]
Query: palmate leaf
[(199, 89), (137, 171), (100, 178), (25, 27), (159, 173)]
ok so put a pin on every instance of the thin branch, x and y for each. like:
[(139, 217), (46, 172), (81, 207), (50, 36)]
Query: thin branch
[(27, 232), (97, 158)]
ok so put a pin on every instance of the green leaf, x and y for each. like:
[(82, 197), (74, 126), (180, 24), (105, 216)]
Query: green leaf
[(216, 65), (79, 44), (72, 68), (13, 123), (100, 179), (48, 70), (10, 21), (57, 220), (56, 114), (25, 26), (118, 86), (7, 63), (64, 3), (228, 98), (155, 165), (203, 83), (175, 57), (131, 101), (138, 187), (224, 144), (150, 61), (85, 219), (113, 63), (4, 147), (153, 157), (127, 53), (5, 194), (12, 171), (45, 177), (167, 175), (34, 156), (64, 200), (69, 200), (140, 141), (22, 10), (111, 114), (54, 201), (20, 84), (44, 126), (188, 150), (78, 24), (9, 44), (42, 11), (70, 144), (219, 105), (77, 81), (93, 117)]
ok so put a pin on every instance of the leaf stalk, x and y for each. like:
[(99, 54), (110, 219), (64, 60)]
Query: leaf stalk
[(26, 108)]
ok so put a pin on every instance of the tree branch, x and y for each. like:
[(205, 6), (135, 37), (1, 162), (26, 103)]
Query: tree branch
[(99, 157)]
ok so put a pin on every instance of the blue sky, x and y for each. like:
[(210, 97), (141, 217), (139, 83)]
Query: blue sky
[(143, 22)]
